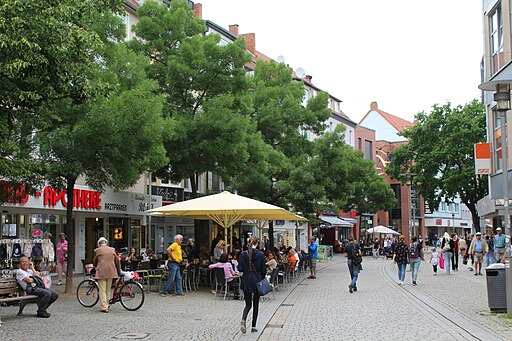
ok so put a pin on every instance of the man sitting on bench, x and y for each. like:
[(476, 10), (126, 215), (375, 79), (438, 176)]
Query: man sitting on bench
[(45, 296)]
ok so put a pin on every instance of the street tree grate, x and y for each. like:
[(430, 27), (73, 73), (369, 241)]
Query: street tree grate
[(130, 336)]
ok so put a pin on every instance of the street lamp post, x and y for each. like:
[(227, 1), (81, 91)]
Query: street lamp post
[(502, 99), (408, 182), (453, 222)]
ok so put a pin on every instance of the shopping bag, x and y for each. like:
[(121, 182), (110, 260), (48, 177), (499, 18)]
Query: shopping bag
[(441, 262), (470, 265)]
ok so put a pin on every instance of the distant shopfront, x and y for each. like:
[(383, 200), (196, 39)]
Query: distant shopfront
[(119, 216)]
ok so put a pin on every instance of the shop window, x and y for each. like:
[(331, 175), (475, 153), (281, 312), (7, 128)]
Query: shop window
[(496, 39), (9, 226)]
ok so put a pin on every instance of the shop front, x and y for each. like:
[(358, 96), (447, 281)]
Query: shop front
[(118, 216)]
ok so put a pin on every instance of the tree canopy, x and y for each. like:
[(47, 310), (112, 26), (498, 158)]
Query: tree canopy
[(45, 55), (203, 84), (440, 153)]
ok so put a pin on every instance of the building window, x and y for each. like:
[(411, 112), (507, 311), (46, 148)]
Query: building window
[(496, 38), (497, 141), (368, 150), (359, 143)]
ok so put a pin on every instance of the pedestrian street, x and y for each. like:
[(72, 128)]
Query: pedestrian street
[(440, 307)]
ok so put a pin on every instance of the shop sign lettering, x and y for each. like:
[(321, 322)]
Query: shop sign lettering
[(82, 198)]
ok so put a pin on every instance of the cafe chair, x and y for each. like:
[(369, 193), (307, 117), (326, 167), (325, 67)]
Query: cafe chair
[(221, 282)]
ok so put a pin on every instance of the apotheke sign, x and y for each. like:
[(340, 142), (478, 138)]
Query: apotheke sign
[(86, 199)]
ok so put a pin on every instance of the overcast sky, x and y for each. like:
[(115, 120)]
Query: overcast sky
[(405, 54)]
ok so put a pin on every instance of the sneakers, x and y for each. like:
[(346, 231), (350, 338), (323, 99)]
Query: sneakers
[(435, 273), (163, 294), (59, 283), (254, 330), (243, 329), (354, 288), (44, 315), (214, 292), (414, 283), (181, 295), (350, 289), (401, 283)]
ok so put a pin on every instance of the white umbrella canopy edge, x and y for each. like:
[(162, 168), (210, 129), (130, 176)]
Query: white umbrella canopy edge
[(382, 230), (225, 209)]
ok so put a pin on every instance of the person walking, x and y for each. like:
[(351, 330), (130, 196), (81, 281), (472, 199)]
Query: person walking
[(489, 256), (312, 256), (478, 248), (175, 257), (401, 257), (447, 246), (499, 246), (376, 248), (62, 257), (354, 257), (107, 267), (45, 297), (455, 256), (415, 258), (253, 269), (434, 260)]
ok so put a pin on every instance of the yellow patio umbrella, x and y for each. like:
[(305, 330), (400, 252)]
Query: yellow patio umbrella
[(226, 209)]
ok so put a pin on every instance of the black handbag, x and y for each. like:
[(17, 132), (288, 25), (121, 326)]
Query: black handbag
[(38, 281)]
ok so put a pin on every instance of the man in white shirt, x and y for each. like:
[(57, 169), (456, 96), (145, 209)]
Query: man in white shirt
[(45, 296)]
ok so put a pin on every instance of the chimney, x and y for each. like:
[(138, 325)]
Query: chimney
[(234, 29), (198, 11), (250, 41), (308, 78), (374, 106)]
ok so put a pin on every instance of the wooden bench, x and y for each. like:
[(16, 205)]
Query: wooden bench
[(11, 291)]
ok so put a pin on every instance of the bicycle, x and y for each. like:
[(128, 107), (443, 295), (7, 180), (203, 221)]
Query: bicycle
[(129, 292)]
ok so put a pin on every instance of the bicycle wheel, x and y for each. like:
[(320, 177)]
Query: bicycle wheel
[(131, 295), (87, 293)]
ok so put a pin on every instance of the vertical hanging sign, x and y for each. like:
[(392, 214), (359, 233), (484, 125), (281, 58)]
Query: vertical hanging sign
[(482, 158)]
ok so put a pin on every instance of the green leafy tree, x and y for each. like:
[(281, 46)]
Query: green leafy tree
[(110, 139), (440, 153), (203, 83), (44, 55), (283, 123), (338, 177)]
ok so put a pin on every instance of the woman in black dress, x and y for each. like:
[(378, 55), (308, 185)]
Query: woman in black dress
[(253, 269)]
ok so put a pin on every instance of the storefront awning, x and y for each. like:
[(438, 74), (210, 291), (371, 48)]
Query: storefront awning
[(349, 220), (335, 221)]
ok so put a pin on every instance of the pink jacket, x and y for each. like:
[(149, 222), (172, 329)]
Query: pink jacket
[(228, 269)]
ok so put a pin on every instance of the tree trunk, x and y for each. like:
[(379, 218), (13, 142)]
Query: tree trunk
[(474, 216), (70, 233), (193, 185)]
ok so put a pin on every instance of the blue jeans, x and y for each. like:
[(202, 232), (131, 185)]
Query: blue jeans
[(447, 258), (354, 273), (415, 267), (173, 278), (489, 258), (401, 271)]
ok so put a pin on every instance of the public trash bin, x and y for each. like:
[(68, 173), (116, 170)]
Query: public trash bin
[(496, 287)]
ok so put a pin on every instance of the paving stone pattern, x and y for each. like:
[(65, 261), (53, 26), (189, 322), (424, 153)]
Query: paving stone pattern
[(440, 308)]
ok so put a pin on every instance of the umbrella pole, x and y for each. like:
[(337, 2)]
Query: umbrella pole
[(231, 241)]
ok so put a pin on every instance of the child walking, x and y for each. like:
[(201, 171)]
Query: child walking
[(434, 260)]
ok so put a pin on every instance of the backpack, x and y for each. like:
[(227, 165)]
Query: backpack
[(356, 256), (414, 252)]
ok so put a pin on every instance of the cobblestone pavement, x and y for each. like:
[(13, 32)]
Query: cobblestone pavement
[(440, 308)]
